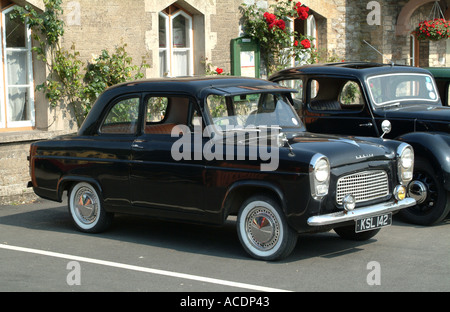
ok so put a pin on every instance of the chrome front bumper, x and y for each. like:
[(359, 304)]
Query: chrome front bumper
[(360, 213)]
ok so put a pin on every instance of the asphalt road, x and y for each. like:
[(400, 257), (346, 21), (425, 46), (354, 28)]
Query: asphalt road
[(40, 251)]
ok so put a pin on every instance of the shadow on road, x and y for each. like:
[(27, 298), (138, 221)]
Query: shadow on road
[(219, 241)]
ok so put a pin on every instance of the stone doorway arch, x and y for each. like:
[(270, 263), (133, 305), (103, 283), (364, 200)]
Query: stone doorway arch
[(403, 26)]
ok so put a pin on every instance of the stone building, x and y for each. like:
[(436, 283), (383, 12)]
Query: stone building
[(176, 37)]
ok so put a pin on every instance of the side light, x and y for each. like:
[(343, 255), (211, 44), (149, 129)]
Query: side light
[(400, 192)]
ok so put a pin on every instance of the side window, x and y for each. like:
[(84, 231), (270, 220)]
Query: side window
[(351, 96), (314, 91), (123, 117), (296, 84), (335, 94), (217, 107), (166, 115), (156, 109)]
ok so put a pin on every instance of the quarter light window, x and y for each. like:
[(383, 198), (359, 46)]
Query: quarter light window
[(122, 118)]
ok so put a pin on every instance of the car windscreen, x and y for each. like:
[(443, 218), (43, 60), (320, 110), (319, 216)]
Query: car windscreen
[(252, 111), (390, 89)]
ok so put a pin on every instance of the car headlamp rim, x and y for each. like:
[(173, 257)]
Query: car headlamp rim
[(407, 158), (322, 170), (319, 172)]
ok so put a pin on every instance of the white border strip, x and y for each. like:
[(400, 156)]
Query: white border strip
[(142, 269)]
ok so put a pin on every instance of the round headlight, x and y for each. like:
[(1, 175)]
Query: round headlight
[(407, 158), (322, 170)]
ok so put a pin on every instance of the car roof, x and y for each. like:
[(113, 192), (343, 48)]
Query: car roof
[(361, 70), (196, 86)]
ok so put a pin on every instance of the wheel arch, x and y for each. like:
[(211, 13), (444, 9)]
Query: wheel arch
[(66, 183), (434, 148), (241, 190)]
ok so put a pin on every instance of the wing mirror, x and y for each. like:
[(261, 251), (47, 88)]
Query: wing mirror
[(386, 127)]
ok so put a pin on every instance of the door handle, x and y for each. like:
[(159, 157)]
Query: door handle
[(368, 125), (134, 145)]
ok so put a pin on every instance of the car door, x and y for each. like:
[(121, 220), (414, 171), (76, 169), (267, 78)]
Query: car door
[(108, 154), (162, 183), (337, 106)]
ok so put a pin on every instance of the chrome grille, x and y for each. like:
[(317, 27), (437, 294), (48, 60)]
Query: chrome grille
[(364, 186)]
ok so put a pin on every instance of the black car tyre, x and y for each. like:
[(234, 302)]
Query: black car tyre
[(348, 232), (433, 203), (86, 209), (263, 230)]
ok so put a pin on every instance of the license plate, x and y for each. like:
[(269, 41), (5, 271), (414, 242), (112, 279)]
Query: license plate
[(373, 223)]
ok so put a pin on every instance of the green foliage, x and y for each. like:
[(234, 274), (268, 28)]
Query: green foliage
[(107, 70), (279, 44), (68, 81)]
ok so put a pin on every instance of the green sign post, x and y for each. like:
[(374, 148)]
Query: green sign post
[(245, 57)]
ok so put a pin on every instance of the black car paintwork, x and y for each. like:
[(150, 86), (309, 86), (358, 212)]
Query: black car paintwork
[(136, 173)]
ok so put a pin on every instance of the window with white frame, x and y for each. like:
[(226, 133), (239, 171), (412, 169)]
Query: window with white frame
[(175, 42), (16, 84)]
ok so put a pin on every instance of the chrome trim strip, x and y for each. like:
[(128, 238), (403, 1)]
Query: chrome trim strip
[(359, 213)]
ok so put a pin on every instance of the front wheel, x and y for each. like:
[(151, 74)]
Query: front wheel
[(433, 202), (263, 230), (86, 209)]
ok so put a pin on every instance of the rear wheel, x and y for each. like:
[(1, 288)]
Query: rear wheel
[(86, 209), (263, 230)]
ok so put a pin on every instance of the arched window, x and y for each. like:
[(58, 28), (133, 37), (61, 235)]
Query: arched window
[(16, 80), (311, 28), (175, 42)]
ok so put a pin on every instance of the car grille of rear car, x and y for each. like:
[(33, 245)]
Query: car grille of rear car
[(363, 186)]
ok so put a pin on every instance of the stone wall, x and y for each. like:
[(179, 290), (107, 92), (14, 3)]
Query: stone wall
[(14, 173)]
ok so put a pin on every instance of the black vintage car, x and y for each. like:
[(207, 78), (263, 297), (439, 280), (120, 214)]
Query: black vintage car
[(354, 98), (202, 149), (442, 77)]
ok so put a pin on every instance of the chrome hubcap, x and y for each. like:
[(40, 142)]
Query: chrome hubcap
[(86, 205), (418, 191), (263, 230)]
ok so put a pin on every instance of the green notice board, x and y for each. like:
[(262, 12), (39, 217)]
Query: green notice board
[(245, 57)]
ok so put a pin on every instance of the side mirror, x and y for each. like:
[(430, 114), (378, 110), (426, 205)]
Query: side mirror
[(386, 127)]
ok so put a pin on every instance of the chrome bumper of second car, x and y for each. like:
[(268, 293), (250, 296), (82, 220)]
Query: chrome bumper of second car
[(359, 213)]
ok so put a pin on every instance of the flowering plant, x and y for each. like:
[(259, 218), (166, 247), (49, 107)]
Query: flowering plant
[(279, 43), (435, 29)]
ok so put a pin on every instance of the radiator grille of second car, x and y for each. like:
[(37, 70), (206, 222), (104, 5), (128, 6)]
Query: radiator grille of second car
[(364, 186)]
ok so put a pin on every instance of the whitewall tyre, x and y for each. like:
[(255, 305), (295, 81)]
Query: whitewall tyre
[(263, 230), (86, 209)]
